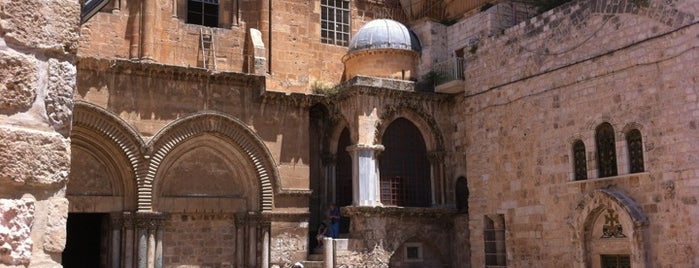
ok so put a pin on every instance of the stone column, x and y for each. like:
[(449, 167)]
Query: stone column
[(116, 224), (331, 180), (134, 29), (365, 174), (437, 181), (159, 247), (148, 224), (37, 80), (128, 240), (240, 224), (150, 9)]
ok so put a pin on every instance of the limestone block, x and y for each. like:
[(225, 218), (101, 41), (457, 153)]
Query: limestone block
[(48, 24), (59, 99), (55, 232), (33, 157), (16, 219), (18, 75)]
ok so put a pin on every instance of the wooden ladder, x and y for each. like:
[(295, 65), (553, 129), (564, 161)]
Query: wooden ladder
[(208, 48)]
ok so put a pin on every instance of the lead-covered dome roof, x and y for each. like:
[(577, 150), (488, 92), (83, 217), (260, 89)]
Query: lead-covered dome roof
[(382, 34)]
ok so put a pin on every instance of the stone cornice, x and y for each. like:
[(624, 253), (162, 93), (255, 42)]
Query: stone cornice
[(159, 70), (387, 88), (291, 99), (274, 216), (436, 213)]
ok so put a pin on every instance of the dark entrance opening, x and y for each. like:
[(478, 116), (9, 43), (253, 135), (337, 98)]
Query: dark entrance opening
[(84, 240)]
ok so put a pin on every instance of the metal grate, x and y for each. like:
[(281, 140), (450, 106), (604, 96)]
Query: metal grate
[(635, 146), (494, 240), (615, 261), (606, 151), (203, 12), (405, 169), (579, 160)]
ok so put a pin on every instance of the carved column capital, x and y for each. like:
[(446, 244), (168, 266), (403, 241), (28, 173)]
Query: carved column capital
[(329, 159), (436, 157), (149, 220)]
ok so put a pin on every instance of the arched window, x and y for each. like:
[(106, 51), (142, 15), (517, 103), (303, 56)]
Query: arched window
[(579, 160), (404, 167), (635, 146), (606, 151), (461, 195)]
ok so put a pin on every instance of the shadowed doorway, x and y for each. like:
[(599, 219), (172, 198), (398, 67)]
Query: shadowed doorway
[(85, 240)]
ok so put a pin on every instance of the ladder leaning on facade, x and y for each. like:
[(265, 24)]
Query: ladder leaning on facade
[(208, 48)]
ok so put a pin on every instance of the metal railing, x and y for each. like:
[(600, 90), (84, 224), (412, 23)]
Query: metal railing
[(449, 70)]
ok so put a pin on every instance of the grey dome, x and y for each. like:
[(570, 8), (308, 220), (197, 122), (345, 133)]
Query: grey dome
[(384, 33)]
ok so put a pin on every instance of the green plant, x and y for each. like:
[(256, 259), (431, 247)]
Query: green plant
[(546, 5), (321, 88), (640, 3), (434, 77)]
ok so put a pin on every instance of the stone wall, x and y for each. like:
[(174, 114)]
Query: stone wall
[(297, 58), (552, 80), (206, 240), (149, 96), (37, 79)]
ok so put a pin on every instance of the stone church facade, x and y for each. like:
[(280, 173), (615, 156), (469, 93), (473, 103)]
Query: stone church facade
[(215, 133)]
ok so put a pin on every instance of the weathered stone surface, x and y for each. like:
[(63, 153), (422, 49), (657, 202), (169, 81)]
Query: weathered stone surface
[(59, 99), (18, 75), (51, 24), (33, 157), (55, 232), (16, 219)]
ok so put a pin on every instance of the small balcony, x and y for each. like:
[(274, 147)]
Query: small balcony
[(449, 76)]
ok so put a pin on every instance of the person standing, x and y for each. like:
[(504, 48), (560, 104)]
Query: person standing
[(333, 215)]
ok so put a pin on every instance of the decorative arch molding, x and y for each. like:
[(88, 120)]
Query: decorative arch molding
[(421, 119), (90, 118), (592, 126), (232, 130), (631, 126), (593, 204), (334, 137)]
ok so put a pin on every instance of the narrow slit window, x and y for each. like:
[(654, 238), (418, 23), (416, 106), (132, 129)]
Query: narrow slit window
[(606, 151), (635, 146), (579, 161)]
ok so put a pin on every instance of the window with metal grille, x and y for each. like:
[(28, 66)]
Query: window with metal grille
[(494, 238), (413, 252), (579, 160), (203, 12), (634, 143), (404, 167), (606, 151), (335, 22), (615, 261)]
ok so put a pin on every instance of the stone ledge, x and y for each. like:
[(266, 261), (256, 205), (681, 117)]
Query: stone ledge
[(398, 212)]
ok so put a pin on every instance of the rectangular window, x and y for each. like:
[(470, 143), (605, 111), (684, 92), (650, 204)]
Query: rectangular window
[(203, 12), (413, 252), (615, 261), (494, 239), (335, 22)]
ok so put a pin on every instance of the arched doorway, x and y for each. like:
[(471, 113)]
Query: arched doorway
[(404, 166)]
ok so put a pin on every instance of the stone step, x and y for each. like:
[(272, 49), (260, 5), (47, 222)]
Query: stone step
[(315, 257), (312, 264)]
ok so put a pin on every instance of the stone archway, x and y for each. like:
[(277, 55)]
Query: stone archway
[(611, 227)]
